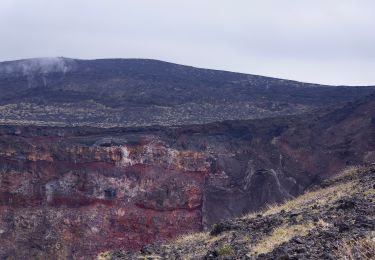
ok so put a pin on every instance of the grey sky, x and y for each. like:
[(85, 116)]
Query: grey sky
[(322, 41)]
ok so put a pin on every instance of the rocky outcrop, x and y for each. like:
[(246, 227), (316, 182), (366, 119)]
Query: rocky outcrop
[(332, 221), (74, 192)]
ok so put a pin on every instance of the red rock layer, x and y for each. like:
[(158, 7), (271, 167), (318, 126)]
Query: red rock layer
[(63, 199)]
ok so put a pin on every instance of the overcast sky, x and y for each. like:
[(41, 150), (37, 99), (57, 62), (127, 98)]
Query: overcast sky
[(321, 41)]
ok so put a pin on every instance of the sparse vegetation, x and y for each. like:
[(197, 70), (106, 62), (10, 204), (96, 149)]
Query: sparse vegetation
[(309, 199), (225, 250), (363, 249), (192, 238), (280, 235), (348, 173)]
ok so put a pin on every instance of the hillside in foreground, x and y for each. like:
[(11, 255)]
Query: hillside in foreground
[(333, 221)]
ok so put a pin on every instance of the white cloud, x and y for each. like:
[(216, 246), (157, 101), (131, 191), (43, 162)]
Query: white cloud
[(323, 41)]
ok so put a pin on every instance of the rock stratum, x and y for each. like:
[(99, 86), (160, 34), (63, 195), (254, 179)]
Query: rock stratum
[(118, 154), (74, 192)]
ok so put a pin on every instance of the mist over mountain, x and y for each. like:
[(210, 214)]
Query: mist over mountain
[(33, 67)]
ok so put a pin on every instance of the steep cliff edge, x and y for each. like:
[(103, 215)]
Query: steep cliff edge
[(75, 192), (333, 221)]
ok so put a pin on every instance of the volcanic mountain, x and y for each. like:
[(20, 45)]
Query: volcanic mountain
[(117, 154), (134, 92)]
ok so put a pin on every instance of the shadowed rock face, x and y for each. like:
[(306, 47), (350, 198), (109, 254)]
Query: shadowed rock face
[(74, 192), (340, 211)]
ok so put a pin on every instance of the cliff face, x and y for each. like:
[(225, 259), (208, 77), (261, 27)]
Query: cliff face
[(59, 197), (74, 192)]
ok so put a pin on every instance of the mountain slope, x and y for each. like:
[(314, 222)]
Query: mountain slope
[(133, 92), (333, 221)]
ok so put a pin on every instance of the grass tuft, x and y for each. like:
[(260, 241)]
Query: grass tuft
[(319, 198), (192, 239), (280, 235)]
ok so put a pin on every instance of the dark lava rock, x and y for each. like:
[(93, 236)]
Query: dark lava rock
[(221, 227), (346, 203), (211, 255), (298, 240), (343, 227)]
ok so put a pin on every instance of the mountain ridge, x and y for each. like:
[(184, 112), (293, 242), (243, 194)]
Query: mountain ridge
[(116, 92), (58, 60), (61, 59)]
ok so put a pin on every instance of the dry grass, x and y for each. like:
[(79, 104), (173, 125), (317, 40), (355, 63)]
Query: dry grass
[(370, 194), (357, 249), (225, 250), (199, 241), (323, 224), (192, 239), (350, 171), (320, 198), (280, 235)]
